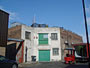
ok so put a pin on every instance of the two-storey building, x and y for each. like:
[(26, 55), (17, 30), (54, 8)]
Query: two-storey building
[(42, 44)]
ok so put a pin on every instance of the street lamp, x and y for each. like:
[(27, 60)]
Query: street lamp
[(86, 28)]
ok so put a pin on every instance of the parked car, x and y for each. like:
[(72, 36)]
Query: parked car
[(6, 63)]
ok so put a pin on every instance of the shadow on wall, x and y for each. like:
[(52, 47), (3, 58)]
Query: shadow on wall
[(11, 51)]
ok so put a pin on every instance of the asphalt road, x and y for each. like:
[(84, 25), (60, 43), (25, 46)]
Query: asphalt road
[(56, 65)]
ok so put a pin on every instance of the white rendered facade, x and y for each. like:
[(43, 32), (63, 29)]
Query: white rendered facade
[(32, 46)]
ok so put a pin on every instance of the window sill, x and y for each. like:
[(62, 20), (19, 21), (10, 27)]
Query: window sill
[(55, 55), (43, 44), (54, 40)]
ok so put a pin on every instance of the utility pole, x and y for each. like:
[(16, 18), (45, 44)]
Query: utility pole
[(86, 28)]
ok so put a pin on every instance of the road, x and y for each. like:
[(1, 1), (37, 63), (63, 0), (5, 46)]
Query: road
[(56, 65)]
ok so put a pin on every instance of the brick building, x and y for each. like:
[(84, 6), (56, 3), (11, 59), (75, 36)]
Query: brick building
[(67, 39), (14, 32)]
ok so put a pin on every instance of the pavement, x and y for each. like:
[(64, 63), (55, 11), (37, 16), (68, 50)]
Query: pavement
[(27, 64), (52, 65)]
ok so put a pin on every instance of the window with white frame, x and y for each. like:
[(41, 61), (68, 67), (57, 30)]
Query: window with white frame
[(27, 35), (55, 51), (54, 36)]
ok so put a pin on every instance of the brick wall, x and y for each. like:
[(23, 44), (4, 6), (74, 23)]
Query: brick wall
[(68, 37), (14, 32)]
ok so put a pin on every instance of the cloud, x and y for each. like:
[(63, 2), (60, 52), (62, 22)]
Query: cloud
[(1, 7), (88, 21), (12, 15), (84, 38), (88, 9)]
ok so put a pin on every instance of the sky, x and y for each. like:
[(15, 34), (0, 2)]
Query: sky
[(61, 13)]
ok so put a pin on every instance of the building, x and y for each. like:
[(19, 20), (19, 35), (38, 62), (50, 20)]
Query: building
[(42, 44), (14, 49), (39, 25), (16, 24), (34, 38), (67, 39), (3, 31)]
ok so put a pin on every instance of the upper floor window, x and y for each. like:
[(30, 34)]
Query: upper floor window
[(54, 36), (27, 35), (43, 38)]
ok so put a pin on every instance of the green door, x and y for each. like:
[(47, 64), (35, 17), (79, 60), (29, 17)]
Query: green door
[(44, 55)]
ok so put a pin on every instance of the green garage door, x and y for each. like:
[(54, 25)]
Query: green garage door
[(44, 55)]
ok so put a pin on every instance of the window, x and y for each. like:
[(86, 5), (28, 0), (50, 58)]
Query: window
[(28, 35), (54, 36), (43, 38), (55, 51)]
